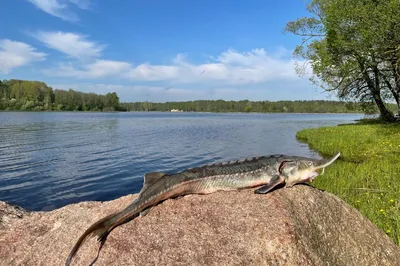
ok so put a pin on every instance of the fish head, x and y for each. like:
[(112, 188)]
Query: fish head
[(304, 170)]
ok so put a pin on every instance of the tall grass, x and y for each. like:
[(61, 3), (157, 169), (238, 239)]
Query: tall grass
[(367, 175)]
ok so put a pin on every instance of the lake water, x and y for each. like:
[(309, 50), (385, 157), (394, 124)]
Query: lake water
[(49, 160)]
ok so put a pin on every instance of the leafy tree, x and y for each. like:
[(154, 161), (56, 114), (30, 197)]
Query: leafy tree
[(248, 108), (386, 35), (112, 101), (342, 41)]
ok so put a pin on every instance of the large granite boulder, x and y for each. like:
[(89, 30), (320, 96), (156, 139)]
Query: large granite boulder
[(296, 226)]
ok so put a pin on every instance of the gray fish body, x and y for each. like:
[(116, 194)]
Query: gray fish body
[(221, 176), (264, 171)]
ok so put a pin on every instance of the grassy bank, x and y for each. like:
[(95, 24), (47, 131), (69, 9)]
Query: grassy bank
[(367, 176)]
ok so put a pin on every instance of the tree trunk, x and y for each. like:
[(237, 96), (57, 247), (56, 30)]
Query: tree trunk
[(385, 114), (396, 90), (396, 95), (376, 93), (398, 105)]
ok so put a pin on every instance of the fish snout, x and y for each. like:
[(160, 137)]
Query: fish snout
[(325, 163)]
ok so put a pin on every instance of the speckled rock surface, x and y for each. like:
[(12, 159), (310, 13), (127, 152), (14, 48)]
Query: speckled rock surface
[(297, 226), (9, 214)]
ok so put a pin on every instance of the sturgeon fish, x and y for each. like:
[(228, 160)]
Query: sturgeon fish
[(265, 172)]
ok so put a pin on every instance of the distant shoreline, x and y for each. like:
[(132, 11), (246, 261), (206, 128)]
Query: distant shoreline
[(60, 111)]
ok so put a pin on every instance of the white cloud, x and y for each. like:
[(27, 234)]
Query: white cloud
[(60, 9), (147, 72), (72, 44), (15, 54), (98, 69), (229, 68), (82, 4)]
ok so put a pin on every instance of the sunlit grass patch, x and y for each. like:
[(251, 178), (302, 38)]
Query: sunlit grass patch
[(367, 174)]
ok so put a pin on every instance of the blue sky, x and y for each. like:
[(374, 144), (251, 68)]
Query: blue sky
[(156, 50)]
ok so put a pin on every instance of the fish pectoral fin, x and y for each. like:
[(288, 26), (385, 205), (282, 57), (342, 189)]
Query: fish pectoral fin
[(145, 212), (275, 180)]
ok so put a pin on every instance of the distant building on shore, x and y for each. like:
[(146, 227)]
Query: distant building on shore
[(176, 110)]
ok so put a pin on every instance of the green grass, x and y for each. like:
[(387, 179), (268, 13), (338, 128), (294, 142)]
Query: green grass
[(367, 175)]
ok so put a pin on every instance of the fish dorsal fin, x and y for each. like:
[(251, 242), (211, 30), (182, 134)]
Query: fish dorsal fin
[(151, 178)]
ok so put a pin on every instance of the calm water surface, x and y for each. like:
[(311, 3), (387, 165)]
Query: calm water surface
[(49, 160)]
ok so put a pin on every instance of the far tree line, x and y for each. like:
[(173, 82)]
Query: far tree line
[(25, 95), (256, 106)]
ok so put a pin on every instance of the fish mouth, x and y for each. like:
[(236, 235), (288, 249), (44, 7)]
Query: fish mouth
[(312, 176), (323, 164)]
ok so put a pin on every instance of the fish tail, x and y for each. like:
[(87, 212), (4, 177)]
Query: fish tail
[(101, 229)]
